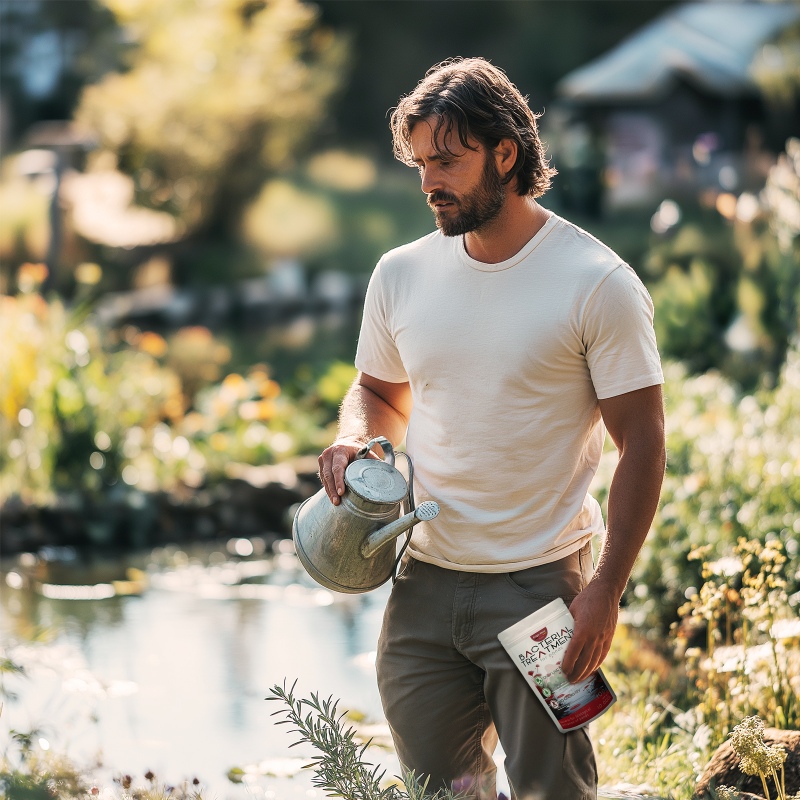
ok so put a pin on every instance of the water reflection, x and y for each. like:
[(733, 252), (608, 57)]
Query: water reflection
[(174, 680)]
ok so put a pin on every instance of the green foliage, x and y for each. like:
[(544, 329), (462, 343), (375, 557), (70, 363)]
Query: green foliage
[(37, 777), (776, 69), (726, 289), (340, 769), (8, 667), (84, 21), (692, 279), (683, 320), (61, 419), (24, 227), (639, 743), (85, 410), (340, 211), (331, 387), (732, 473), (218, 97), (749, 664), (774, 238)]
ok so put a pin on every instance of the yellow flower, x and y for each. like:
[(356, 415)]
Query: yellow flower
[(257, 410), (218, 441), (269, 389), (234, 386), (31, 276), (88, 274), (153, 344)]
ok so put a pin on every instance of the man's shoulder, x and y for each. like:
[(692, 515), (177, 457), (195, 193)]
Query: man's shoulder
[(582, 248), (412, 252)]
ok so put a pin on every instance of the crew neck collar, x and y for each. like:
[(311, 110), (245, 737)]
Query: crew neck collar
[(522, 254)]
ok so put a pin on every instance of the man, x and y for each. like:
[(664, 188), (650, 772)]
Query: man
[(500, 347)]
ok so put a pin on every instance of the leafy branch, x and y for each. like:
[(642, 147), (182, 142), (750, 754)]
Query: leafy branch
[(340, 769)]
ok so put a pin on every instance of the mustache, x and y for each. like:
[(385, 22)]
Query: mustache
[(441, 197)]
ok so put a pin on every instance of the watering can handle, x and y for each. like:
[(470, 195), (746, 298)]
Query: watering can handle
[(386, 446)]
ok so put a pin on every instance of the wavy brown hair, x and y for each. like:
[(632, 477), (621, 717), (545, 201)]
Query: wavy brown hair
[(476, 99)]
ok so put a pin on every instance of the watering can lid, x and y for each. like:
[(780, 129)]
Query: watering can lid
[(376, 480)]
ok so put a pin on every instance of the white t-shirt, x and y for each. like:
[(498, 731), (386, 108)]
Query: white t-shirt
[(506, 363)]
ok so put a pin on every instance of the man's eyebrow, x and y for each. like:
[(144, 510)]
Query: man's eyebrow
[(434, 157)]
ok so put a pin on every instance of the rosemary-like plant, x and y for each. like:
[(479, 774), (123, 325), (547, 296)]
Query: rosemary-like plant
[(340, 769)]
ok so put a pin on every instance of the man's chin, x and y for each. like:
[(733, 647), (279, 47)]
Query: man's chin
[(449, 227)]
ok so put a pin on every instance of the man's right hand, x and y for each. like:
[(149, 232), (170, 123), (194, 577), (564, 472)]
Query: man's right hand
[(332, 464), (369, 405)]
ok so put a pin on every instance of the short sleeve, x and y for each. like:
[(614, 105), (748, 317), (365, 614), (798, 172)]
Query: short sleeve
[(377, 353), (618, 335)]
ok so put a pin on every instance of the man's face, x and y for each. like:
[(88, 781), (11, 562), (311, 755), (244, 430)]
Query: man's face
[(463, 186)]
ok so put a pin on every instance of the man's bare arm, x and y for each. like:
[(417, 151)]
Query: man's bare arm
[(635, 421), (370, 408)]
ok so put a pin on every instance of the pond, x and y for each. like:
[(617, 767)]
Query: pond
[(174, 679)]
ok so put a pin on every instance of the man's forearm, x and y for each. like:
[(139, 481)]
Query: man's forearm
[(370, 408), (363, 416), (632, 502)]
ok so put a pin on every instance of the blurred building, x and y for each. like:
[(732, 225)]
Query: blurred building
[(681, 106)]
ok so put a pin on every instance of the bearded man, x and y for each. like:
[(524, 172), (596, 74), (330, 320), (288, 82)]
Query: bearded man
[(500, 347)]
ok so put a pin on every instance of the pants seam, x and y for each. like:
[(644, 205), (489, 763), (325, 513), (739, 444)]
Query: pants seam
[(454, 616), (478, 740), (472, 604), (460, 637)]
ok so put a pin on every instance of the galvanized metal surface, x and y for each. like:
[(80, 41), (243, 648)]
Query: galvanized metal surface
[(345, 547)]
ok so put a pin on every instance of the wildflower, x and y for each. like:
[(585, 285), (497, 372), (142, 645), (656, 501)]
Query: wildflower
[(725, 567), (748, 736), (775, 757), (88, 274), (31, 276), (757, 757), (153, 344)]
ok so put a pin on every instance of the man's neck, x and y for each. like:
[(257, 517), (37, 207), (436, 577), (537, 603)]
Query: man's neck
[(519, 221)]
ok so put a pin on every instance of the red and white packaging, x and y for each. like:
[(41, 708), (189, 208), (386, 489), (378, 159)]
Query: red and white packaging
[(537, 645)]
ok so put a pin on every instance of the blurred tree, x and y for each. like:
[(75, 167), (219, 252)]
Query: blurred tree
[(218, 96), (49, 49), (776, 69), (536, 41)]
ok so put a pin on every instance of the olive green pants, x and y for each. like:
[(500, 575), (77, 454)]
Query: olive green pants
[(449, 689)]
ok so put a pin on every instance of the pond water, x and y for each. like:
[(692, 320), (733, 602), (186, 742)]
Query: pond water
[(174, 680)]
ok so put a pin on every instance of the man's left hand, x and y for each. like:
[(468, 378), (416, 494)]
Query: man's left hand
[(595, 610)]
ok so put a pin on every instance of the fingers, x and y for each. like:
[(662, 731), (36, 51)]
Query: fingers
[(589, 659), (586, 651), (332, 464), (569, 662)]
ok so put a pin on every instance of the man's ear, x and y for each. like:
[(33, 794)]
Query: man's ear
[(505, 154)]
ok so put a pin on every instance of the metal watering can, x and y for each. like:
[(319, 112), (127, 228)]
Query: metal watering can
[(345, 547)]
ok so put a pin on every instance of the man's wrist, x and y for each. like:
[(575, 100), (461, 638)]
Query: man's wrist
[(352, 439), (610, 586)]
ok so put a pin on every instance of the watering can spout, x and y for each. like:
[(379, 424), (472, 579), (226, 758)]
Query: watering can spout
[(376, 540)]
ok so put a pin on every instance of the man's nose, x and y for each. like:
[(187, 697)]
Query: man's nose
[(430, 180)]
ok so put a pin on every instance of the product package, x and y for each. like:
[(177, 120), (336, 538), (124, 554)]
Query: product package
[(537, 644)]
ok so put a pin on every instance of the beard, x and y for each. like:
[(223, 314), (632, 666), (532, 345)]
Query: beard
[(475, 208)]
